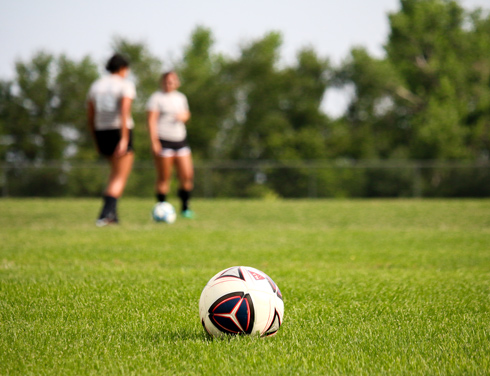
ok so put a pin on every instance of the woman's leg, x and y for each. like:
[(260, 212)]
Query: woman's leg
[(163, 167), (120, 170), (185, 170)]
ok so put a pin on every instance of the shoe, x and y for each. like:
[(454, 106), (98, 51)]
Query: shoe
[(187, 214), (111, 220)]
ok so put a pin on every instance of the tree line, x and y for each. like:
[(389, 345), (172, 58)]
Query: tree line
[(428, 98)]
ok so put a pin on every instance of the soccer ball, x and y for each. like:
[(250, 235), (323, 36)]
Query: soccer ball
[(241, 300), (164, 212)]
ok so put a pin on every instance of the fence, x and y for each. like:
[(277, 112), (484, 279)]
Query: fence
[(302, 179)]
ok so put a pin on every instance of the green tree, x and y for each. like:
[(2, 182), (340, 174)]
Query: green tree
[(42, 112), (35, 132), (438, 49), (71, 86), (277, 113), (478, 115), (428, 99), (208, 90), (372, 128), (305, 85), (9, 115), (416, 47)]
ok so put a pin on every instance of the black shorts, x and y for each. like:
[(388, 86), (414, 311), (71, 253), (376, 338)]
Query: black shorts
[(107, 141), (174, 148)]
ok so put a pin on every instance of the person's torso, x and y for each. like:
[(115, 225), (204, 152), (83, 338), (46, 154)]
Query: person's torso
[(170, 104), (107, 93)]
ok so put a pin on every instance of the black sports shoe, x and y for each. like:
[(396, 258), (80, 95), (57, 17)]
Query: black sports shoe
[(111, 219)]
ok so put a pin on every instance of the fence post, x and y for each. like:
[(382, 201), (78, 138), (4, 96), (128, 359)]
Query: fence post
[(208, 181), (312, 183), (5, 191), (417, 180)]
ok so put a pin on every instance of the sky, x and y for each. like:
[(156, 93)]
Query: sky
[(80, 28)]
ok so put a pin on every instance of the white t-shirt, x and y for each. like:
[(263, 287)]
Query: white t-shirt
[(106, 94), (167, 105)]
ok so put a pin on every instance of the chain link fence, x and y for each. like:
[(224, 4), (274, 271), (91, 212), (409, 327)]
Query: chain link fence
[(261, 179)]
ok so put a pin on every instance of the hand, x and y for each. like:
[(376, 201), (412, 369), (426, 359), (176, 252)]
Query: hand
[(182, 116), (121, 148), (156, 148)]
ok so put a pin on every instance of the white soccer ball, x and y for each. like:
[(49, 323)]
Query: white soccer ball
[(164, 212), (241, 300)]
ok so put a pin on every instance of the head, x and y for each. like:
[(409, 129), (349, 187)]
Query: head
[(170, 81), (118, 64)]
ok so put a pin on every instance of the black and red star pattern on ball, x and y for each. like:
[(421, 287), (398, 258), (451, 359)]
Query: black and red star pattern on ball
[(274, 326), (235, 272), (233, 313)]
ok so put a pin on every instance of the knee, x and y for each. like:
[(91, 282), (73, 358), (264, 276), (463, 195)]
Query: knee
[(163, 178), (188, 184), (187, 178)]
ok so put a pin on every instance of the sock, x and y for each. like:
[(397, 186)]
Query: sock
[(184, 196), (161, 197), (109, 208)]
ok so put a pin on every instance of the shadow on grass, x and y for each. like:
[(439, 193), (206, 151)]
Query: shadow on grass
[(186, 334), (183, 334)]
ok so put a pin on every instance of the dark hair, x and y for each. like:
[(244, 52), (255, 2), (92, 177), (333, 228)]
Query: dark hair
[(166, 74), (116, 63)]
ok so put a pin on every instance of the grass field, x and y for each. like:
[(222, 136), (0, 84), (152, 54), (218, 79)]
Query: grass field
[(370, 287)]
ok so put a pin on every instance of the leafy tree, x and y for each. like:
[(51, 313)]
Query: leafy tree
[(374, 127), (37, 137), (478, 104), (42, 111), (208, 90), (277, 113), (71, 87), (305, 86), (427, 45), (9, 115), (428, 99), (257, 87)]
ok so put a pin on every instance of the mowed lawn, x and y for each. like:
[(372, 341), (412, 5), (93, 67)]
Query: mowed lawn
[(395, 287)]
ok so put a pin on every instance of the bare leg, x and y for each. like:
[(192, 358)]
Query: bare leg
[(164, 173), (185, 169), (186, 181), (120, 169)]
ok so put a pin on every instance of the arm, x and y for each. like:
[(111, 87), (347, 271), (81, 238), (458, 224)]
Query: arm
[(183, 116), (122, 147), (91, 119), (151, 120)]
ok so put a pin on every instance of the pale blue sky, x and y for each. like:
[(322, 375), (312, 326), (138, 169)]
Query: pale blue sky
[(80, 28)]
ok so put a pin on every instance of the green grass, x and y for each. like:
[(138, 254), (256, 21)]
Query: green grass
[(370, 287)]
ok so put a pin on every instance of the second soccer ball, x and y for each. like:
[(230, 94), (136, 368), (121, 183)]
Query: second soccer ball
[(164, 212)]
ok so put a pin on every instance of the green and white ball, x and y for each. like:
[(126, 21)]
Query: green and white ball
[(164, 212)]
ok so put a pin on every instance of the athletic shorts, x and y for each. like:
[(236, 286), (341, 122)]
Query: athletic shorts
[(174, 149), (107, 141)]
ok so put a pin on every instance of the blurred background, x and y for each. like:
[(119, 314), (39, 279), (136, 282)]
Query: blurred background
[(292, 99)]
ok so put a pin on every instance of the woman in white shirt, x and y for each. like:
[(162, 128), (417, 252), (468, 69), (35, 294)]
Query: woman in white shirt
[(168, 111), (111, 124)]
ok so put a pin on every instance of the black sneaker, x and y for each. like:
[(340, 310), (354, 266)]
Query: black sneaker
[(111, 219)]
